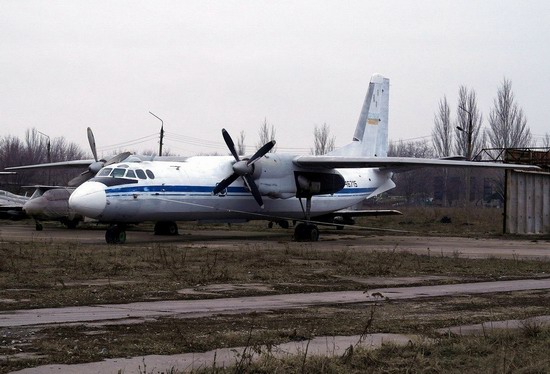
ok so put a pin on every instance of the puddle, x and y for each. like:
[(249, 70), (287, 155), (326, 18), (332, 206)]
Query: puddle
[(214, 289)]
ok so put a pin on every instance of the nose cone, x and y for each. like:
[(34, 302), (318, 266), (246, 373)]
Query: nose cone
[(35, 207), (89, 199)]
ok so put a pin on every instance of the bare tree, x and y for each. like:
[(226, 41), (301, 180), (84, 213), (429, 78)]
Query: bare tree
[(36, 149), (546, 140), (61, 150), (468, 124), (442, 135), (323, 142), (507, 123), (442, 138), (414, 186), (267, 134), (419, 149), (241, 148)]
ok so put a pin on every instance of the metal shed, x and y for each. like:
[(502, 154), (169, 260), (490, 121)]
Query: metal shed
[(527, 203)]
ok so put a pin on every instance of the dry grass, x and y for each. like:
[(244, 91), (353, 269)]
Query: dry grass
[(41, 274)]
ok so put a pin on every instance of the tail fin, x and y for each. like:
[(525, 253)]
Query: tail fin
[(371, 134)]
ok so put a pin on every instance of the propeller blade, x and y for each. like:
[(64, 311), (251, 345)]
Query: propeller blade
[(118, 158), (254, 189), (261, 152), (225, 183), (243, 168), (230, 144), (78, 180), (91, 140)]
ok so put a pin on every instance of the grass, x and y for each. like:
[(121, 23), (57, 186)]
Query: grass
[(501, 352), (464, 221), (36, 274)]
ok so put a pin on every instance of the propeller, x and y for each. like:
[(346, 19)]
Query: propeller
[(96, 166), (243, 168)]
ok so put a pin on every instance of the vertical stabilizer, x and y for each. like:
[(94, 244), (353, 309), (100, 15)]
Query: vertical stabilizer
[(371, 133)]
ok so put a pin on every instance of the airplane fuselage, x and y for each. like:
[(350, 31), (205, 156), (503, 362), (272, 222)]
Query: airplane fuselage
[(182, 191)]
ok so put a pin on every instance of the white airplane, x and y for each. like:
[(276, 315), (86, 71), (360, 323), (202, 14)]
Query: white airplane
[(264, 186)]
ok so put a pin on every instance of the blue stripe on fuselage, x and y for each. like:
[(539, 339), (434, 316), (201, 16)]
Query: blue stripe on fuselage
[(207, 190)]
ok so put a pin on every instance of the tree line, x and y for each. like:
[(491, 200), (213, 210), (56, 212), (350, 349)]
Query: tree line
[(37, 148)]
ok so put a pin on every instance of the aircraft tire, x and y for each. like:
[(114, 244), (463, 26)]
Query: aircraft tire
[(121, 237), (71, 224), (299, 232), (306, 232), (109, 236), (172, 228), (166, 228), (115, 235), (313, 233)]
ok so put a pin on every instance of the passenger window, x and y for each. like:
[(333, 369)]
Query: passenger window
[(150, 174), (130, 174), (141, 174), (118, 173), (104, 172)]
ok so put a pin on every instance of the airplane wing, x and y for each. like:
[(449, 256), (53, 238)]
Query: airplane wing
[(397, 163), (61, 164)]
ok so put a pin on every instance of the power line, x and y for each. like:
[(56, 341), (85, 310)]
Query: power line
[(128, 143)]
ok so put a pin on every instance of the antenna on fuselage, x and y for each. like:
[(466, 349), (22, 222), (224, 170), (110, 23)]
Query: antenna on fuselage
[(161, 132)]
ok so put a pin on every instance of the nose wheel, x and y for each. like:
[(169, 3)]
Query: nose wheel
[(116, 234)]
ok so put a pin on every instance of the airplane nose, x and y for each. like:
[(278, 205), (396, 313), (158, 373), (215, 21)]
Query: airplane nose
[(89, 199), (34, 206)]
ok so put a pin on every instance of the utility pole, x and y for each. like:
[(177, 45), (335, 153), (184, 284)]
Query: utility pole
[(161, 132), (49, 150)]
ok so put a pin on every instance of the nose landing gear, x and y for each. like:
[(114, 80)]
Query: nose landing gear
[(116, 234)]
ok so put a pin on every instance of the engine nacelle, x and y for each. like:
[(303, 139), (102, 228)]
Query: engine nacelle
[(274, 179)]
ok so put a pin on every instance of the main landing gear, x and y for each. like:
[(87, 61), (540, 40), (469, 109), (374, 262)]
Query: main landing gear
[(306, 231)]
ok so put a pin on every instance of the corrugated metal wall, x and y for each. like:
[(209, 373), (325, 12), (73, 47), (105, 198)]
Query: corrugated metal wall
[(527, 208)]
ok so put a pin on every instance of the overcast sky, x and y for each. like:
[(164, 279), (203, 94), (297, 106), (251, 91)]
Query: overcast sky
[(205, 65)]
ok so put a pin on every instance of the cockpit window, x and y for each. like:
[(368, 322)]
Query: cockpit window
[(130, 174), (104, 172), (118, 173), (141, 174), (150, 174)]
